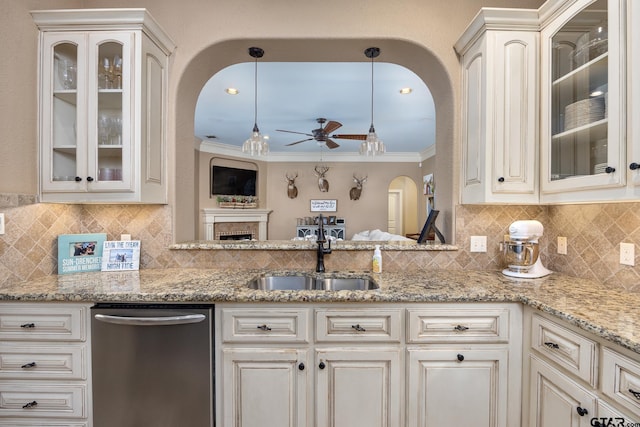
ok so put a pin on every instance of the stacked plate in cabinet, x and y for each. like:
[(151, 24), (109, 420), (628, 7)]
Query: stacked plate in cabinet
[(584, 112)]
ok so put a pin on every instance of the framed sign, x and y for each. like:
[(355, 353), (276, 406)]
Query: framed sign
[(324, 205)]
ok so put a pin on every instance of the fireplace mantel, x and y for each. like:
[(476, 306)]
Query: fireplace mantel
[(213, 216)]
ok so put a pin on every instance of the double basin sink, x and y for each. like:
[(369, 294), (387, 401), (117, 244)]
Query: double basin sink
[(310, 283)]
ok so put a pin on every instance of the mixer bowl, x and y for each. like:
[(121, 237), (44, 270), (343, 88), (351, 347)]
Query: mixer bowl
[(520, 255)]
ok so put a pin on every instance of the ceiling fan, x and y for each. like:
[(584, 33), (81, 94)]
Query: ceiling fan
[(322, 134)]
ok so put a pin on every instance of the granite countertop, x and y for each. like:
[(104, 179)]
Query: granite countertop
[(589, 305), (338, 245)]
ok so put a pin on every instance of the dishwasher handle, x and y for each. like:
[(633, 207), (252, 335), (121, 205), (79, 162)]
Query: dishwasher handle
[(151, 321)]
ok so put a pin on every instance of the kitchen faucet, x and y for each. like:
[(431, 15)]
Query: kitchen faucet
[(321, 240)]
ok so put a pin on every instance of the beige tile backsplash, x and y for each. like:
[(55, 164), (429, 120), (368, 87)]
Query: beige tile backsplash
[(28, 249)]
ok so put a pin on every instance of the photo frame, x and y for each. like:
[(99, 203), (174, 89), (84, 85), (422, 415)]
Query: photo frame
[(80, 253), (332, 220), (121, 255), (430, 228)]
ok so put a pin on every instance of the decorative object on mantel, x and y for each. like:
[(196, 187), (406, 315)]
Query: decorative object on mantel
[(292, 190), (356, 192), (372, 146), (237, 202), (323, 184), (257, 144)]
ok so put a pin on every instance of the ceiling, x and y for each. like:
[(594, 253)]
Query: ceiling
[(292, 95)]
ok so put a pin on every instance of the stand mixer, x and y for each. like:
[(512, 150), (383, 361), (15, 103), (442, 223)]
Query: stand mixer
[(521, 251)]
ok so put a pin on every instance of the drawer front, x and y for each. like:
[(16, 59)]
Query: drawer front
[(566, 348), (364, 325), (40, 423), (462, 324), (39, 399), (42, 361), (621, 380), (267, 325), (45, 322)]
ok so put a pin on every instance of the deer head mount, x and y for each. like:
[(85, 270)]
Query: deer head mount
[(356, 192), (323, 184), (292, 190)]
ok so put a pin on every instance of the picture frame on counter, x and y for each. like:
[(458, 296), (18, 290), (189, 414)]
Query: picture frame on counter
[(121, 255), (80, 253)]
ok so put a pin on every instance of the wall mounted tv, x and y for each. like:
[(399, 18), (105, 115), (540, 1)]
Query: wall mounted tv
[(233, 181)]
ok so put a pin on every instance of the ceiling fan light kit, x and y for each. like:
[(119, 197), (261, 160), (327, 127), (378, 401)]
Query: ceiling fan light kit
[(257, 144), (372, 145)]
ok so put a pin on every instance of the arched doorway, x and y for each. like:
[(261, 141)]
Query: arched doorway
[(219, 55)]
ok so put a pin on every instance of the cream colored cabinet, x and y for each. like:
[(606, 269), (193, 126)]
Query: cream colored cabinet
[(463, 365), (44, 365), (499, 108), (103, 95), (583, 99)]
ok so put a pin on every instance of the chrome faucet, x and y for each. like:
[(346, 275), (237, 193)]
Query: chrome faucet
[(321, 240)]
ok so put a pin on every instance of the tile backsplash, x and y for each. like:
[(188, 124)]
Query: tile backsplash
[(29, 248)]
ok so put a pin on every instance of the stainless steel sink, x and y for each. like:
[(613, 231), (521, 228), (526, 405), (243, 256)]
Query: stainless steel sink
[(307, 283)]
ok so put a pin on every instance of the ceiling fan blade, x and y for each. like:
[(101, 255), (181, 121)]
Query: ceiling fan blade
[(298, 142), (331, 144), (359, 137), (291, 131), (331, 126)]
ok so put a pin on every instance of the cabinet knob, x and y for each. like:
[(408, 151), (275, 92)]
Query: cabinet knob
[(581, 411), (460, 357), (77, 179), (322, 365), (90, 179), (501, 179), (609, 169), (633, 166), (31, 404), (301, 366)]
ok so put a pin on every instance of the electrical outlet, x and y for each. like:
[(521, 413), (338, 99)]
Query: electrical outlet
[(562, 245), (1, 223), (627, 254), (478, 244), (125, 237)]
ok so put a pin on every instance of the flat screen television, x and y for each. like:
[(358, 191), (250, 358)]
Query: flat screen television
[(233, 181)]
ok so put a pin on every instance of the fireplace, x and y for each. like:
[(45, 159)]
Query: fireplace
[(222, 224)]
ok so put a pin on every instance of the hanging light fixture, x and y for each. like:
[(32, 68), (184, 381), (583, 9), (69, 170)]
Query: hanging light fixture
[(372, 146), (257, 144)]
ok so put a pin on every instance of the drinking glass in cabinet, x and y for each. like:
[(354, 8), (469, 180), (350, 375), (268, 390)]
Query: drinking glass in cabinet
[(67, 72)]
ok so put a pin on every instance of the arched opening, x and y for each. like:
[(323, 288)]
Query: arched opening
[(217, 56)]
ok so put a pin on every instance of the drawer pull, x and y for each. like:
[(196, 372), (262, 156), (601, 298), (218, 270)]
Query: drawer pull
[(581, 411), (264, 328), (551, 345), (28, 325), (31, 404), (358, 328), (461, 328), (29, 365), (636, 394)]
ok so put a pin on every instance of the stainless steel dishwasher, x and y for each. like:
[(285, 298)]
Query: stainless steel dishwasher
[(152, 365)]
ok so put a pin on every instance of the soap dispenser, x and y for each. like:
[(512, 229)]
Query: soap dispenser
[(376, 264)]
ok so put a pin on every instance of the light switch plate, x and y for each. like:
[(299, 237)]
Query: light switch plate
[(562, 245), (478, 244), (1, 223), (627, 254)]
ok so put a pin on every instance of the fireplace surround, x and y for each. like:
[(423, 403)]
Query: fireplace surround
[(240, 217)]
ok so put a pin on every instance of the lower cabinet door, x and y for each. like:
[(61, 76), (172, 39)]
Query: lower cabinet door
[(556, 400), (265, 387), (465, 387), (359, 387)]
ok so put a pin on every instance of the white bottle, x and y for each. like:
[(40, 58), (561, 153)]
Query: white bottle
[(376, 265)]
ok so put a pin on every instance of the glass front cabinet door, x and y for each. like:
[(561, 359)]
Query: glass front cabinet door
[(102, 118), (582, 98)]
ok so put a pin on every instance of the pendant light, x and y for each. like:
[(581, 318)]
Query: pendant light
[(257, 144), (372, 146)]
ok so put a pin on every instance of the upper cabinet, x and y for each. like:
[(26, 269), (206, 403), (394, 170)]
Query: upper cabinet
[(583, 116), (580, 146), (499, 108), (103, 95)]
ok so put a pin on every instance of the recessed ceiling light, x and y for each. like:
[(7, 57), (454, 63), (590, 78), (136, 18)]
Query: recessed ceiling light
[(406, 90), (232, 91)]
